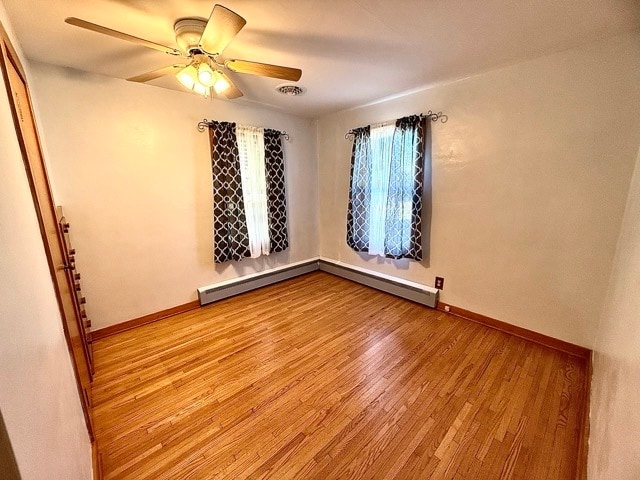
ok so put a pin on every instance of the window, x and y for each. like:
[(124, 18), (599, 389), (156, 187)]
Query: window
[(385, 198), (249, 204)]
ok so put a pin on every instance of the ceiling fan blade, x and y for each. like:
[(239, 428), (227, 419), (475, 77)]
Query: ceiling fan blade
[(222, 27), (161, 72), (233, 91), (122, 36), (264, 69)]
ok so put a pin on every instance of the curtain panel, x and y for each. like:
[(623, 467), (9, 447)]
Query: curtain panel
[(404, 237), (230, 234), (360, 191), (384, 215), (276, 197)]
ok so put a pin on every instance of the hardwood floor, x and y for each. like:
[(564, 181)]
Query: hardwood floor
[(321, 378)]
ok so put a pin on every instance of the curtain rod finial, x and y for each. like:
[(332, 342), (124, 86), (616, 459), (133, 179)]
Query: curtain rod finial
[(434, 117), (202, 126)]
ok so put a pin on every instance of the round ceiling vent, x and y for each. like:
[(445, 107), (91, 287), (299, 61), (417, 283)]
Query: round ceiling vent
[(291, 90)]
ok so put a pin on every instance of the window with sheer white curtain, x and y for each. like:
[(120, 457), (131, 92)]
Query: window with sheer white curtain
[(385, 198), (254, 187), (249, 198)]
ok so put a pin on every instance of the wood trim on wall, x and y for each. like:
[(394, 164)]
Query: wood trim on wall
[(96, 460), (585, 424), (145, 319), (12, 52), (8, 463), (539, 338)]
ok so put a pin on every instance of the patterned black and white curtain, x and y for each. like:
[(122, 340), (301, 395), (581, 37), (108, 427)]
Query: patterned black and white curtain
[(276, 197), (384, 214), (360, 191), (230, 235), (248, 192)]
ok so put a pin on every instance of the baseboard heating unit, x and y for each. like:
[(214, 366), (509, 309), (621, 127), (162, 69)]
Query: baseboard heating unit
[(236, 286), (415, 292)]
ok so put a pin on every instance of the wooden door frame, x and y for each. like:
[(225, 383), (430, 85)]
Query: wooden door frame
[(8, 53)]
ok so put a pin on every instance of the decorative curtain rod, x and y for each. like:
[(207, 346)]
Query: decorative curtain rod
[(434, 117), (202, 126)]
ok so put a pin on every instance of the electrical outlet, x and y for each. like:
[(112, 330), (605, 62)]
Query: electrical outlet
[(440, 283)]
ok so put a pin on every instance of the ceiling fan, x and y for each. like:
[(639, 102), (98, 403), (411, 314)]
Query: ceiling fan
[(200, 43)]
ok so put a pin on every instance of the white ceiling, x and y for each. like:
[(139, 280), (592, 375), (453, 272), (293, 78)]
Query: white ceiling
[(351, 52)]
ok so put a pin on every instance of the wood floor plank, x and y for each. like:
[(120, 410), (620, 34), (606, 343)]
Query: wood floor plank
[(319, 377)]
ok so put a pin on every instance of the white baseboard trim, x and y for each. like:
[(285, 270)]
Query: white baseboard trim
[(236, 286), (413, 291)]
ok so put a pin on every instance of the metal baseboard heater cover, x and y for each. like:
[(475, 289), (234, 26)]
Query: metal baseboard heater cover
[(240, 285), (409, 290)]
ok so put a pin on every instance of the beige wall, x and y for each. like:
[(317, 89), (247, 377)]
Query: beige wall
[(134, 176), (38, 395), (530, 177), (615, 416)]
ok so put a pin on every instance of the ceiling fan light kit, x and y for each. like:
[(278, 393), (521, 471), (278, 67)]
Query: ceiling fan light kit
[(188, 76), (205, 75), (220, 84), (201, 90), (200, 42)]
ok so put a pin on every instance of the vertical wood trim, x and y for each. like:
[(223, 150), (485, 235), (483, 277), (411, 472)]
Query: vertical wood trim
[(96, 461), (11, 52), (8, 464), (585, 424)]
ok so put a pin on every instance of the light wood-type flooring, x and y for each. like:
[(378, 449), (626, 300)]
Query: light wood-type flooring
[(321, 378)]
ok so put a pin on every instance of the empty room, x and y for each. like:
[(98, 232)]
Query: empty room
[(320, 240)]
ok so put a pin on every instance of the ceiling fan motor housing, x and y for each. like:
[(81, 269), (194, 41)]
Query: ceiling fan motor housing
[(188, 33)]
